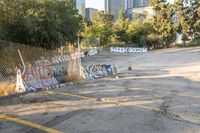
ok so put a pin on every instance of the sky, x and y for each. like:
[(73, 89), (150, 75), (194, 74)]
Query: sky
[(99, 4)]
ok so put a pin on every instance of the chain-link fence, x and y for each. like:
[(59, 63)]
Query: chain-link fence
[(40, 67), (24, 67), (7, 61)]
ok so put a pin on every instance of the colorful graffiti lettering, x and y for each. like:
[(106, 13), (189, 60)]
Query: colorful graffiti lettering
[(65, 58), (60, 59), (98, 71), (59, 70), (38, 77)]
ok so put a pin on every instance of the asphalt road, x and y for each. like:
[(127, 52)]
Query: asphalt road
[(160, 95)]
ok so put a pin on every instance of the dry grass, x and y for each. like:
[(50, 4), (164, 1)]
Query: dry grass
[(30, 54), (7, 89)]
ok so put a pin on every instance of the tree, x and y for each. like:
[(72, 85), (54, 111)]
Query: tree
[(188, 13), (163, 21), (140, 16), (138, 32), (43, 23), (120, 27), (101, 28)]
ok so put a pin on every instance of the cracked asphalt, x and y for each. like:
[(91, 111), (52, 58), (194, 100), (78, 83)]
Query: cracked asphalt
[(160, 95)]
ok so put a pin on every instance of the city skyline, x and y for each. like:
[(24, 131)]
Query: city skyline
[(97, 4), (114, 6), (100, 4), (80, 5)]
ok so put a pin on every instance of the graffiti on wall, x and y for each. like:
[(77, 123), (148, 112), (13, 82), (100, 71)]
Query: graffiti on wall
[(97, 71), (51, 73), (127, 50), (47, 77), (59, 70), (60, 59), (38, 77), (65, 58), (92, 52), (42, 62)]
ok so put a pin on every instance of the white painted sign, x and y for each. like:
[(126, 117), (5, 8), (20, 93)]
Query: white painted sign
[(127, 50)]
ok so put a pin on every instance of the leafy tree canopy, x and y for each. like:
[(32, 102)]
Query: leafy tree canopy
[(188, 12), (120, 27), (163, 21), (101, 28), (42, 23)]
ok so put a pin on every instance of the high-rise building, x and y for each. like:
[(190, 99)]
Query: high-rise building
[(131, 4), (74, 2), (80, 5), (137, 3), (114, 6), (142, 8), (90, 13)]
